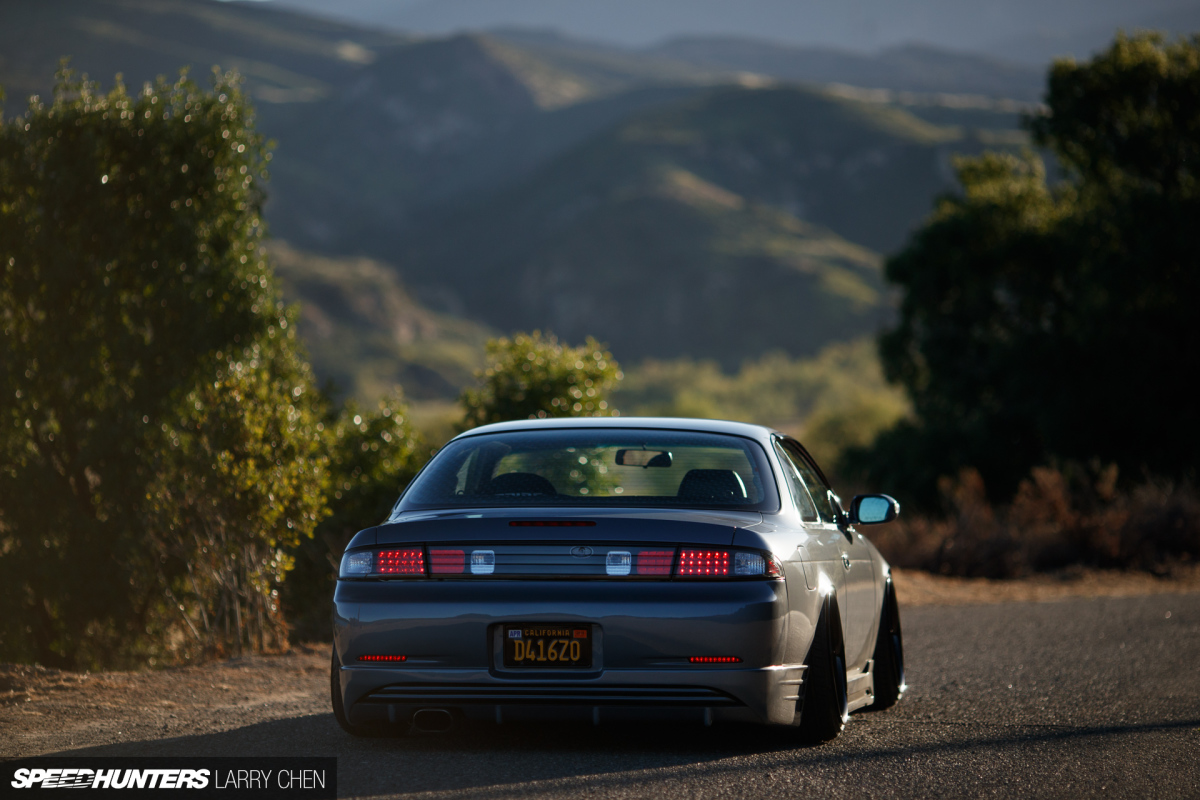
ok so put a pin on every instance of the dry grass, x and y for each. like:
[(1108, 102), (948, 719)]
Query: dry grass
[(1058, 519)]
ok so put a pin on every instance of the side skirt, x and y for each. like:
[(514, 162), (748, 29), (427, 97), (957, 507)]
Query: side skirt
[(860, 686)]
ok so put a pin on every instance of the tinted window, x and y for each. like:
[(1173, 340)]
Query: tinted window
[(617, 467), (804, 501), (812, 479)]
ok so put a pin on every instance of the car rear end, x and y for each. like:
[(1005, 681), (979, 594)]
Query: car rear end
[(594, 616)]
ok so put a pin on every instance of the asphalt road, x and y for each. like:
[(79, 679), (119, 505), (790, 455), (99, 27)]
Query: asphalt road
[(1060, 699)]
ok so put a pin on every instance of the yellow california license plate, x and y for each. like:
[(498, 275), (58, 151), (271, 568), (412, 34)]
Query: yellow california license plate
[(547, 646)]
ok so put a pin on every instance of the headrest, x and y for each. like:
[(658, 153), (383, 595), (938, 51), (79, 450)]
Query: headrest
[(712, 486), (518, 483)]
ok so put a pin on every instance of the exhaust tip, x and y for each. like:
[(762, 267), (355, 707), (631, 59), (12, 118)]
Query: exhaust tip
[(433, 720)]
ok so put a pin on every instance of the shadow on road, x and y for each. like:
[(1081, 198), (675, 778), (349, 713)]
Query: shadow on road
[(486, 758)]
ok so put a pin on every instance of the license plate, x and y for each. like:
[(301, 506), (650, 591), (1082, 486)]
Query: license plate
[(547, 646)]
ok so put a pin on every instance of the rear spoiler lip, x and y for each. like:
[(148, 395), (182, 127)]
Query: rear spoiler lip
[(658, 527)]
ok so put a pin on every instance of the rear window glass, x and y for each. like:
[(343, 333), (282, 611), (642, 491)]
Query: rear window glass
[(616, 467)]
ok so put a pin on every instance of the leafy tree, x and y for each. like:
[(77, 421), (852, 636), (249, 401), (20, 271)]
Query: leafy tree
[(534, 376), (156, 421), (1128, 122), (372, 457), (978, 330), (1043, 323), (1126, 126)]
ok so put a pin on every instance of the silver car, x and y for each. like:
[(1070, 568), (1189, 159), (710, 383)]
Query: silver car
[(609, 569)]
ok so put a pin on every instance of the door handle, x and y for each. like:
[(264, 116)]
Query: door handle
[(846, 560)]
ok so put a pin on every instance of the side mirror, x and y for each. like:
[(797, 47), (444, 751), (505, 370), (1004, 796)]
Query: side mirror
[(873, 509)]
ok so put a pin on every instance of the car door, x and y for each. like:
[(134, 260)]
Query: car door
[(861, 588), (856, 587)]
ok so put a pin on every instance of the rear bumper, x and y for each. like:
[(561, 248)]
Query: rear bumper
[(752, 695), (643, 635)]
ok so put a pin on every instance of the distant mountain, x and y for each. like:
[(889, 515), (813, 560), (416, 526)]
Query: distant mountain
[(609, 68), (285, 57), (366, 333), (867, 171), (438, 124), (426, 126), (483, 183), (909, 68), (863, 26), (663, 266), (689, 228)]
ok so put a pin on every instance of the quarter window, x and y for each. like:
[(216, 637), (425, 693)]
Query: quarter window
[(812, 480), (804, 501)]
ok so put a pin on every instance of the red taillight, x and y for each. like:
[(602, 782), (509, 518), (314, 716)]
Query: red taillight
[(409, 561), (654, 562), (447, 562), (383, 658), (703, 564), (715, 660)]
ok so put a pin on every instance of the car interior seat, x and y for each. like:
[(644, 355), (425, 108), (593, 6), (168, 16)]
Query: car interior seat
[(518, 483), (712, 486)]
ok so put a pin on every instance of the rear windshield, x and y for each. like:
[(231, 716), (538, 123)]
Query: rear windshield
[(581, 467)]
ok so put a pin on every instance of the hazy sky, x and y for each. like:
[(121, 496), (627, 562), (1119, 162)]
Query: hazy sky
[(1013, 28)]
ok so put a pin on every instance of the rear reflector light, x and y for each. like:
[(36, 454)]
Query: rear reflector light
[(551, 523), (618, 562), (715, 660), (383, 658), (447, 562), (749, 564), (409, 561), (357, 564), (703, 563), (655, 562), (483, 562)]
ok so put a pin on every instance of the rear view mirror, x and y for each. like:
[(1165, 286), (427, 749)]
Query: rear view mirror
[(872, 509), (643, 458)]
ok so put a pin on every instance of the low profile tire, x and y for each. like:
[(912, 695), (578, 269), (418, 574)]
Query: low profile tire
[(889, 654), (339, 711), (825, 705)]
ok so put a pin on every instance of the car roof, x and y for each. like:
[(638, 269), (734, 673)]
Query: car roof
[(759, 433)]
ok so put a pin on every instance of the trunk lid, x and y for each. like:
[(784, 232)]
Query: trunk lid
[(533, 525)]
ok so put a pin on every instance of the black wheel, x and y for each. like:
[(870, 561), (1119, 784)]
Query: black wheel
[(339, 711), (889, 654), (825, 705)]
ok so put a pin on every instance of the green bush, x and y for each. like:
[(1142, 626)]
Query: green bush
[(158, 440), (534, 376), (372, 457)]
